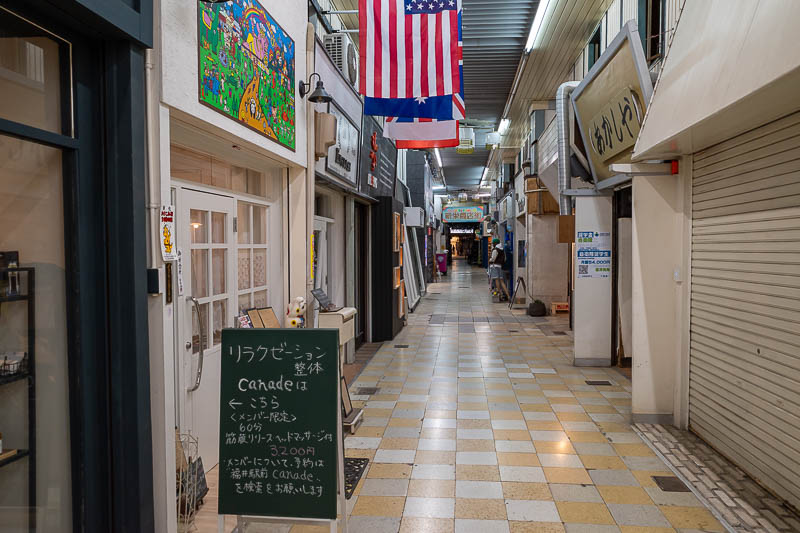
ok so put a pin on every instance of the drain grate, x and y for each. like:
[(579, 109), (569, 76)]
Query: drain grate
[(513, 331), (368, 391), (401, 345), (353, 470), (670, 484), (559, 333), (598, 383)]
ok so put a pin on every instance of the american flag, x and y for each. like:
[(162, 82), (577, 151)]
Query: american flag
[(409, 48)]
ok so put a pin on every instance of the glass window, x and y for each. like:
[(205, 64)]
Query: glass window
[(30, 75), (33, 347), (253, 275)]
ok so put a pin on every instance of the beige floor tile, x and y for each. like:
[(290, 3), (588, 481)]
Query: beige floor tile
[(431, 457), (474, 424), (384, 397), (517, 459), (389, 471), (397, 443), (427, 525), (586, 436), (513, 490), (613, 427), (356, 452), (410, 405), (474, 445), (369, 431), (584, 513), (477, 473), (480, 509), (567, 475), (544, 425), (602, 462), (573, 417), (378, 412), (633, 450), (535, 527), (605, 409), (472, 406), (584, 393), (543, 446), (629, 495), (379, 506), (405, 422), (691, 518), (562, 400), (439, 413), (511, 434), (432, 488), (645, 529), (536, 407)]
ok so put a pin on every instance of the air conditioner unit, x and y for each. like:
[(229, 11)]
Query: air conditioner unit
[(344, 55)]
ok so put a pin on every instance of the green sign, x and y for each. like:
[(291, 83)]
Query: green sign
[(278, 419)]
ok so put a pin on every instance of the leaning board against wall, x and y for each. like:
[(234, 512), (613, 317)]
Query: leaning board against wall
[(278, 423)]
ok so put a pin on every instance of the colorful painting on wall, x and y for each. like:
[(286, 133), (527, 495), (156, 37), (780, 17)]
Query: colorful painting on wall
[(246, 67)]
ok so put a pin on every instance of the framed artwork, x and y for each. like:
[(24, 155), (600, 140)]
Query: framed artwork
[(268, 317), (246, 67), (401, 305), (342, 159), (244, 321), (397, 277), (255, 318)]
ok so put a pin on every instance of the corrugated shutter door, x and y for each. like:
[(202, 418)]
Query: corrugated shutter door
[(744, 386)]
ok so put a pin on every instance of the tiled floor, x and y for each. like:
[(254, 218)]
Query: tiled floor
[(489, 428)]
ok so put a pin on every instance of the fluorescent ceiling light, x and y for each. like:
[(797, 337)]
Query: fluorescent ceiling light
[(537, 23), (438, 157), (439, 188), (503, 126)]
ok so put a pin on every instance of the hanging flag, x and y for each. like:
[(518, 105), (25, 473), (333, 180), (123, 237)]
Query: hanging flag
[(409, 48), (420, 133)]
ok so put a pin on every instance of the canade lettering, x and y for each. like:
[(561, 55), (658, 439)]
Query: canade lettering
[(261, 385)]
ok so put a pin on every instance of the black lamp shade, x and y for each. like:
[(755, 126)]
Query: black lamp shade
[(320, 95)]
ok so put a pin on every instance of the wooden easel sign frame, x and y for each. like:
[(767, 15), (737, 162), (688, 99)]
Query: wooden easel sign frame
[(281, 428)]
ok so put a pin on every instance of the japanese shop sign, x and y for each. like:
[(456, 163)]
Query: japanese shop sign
[(593, 254), (463, 214), (166, 233), (279, 398), (616, 127), (611, 101)]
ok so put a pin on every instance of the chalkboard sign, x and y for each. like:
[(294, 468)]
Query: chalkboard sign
[(278, 422)]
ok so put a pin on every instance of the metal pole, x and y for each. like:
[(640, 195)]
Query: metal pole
[(345, 31), (342, 12)]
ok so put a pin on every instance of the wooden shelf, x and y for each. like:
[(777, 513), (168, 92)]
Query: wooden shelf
[(8, 457)]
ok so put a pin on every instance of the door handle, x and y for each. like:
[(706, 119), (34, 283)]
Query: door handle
[(199, 376)]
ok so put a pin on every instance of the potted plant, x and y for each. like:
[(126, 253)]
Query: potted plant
[(537, 308)]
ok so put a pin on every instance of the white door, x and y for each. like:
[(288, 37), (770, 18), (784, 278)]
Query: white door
[(205, 240)]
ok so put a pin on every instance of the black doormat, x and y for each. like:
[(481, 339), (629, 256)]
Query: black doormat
[(368, 391), (353, 470), (401, 345), (598, 383), (670, 484)]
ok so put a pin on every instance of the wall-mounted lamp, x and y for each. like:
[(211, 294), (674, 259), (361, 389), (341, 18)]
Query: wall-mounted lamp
[(320, 95)]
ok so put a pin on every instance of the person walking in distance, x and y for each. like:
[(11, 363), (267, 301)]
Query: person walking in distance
[(496, 276)]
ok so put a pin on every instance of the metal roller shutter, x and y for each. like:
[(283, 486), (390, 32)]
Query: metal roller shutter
[(744, 385)]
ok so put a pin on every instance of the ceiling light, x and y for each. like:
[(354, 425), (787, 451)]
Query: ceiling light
[(537, 23), (438, 157), (439, 188), (503, 126)]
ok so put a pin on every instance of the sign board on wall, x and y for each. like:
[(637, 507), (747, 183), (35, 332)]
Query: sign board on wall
[(378, 160), (342, 159), (611, 101), (463, 214), (279, 399), (593, 254), (246, 67), (166, 234)]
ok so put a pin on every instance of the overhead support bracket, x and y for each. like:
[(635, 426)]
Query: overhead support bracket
[(584, 192), (625, 172)]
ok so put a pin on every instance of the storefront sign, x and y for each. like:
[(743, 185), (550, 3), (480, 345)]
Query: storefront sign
[(279, 401), (342, 160), (611, 101), (463, 214), (179, 274), (246, 67), (593, 251), (169, 251), (461, 231), (378, 161)]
